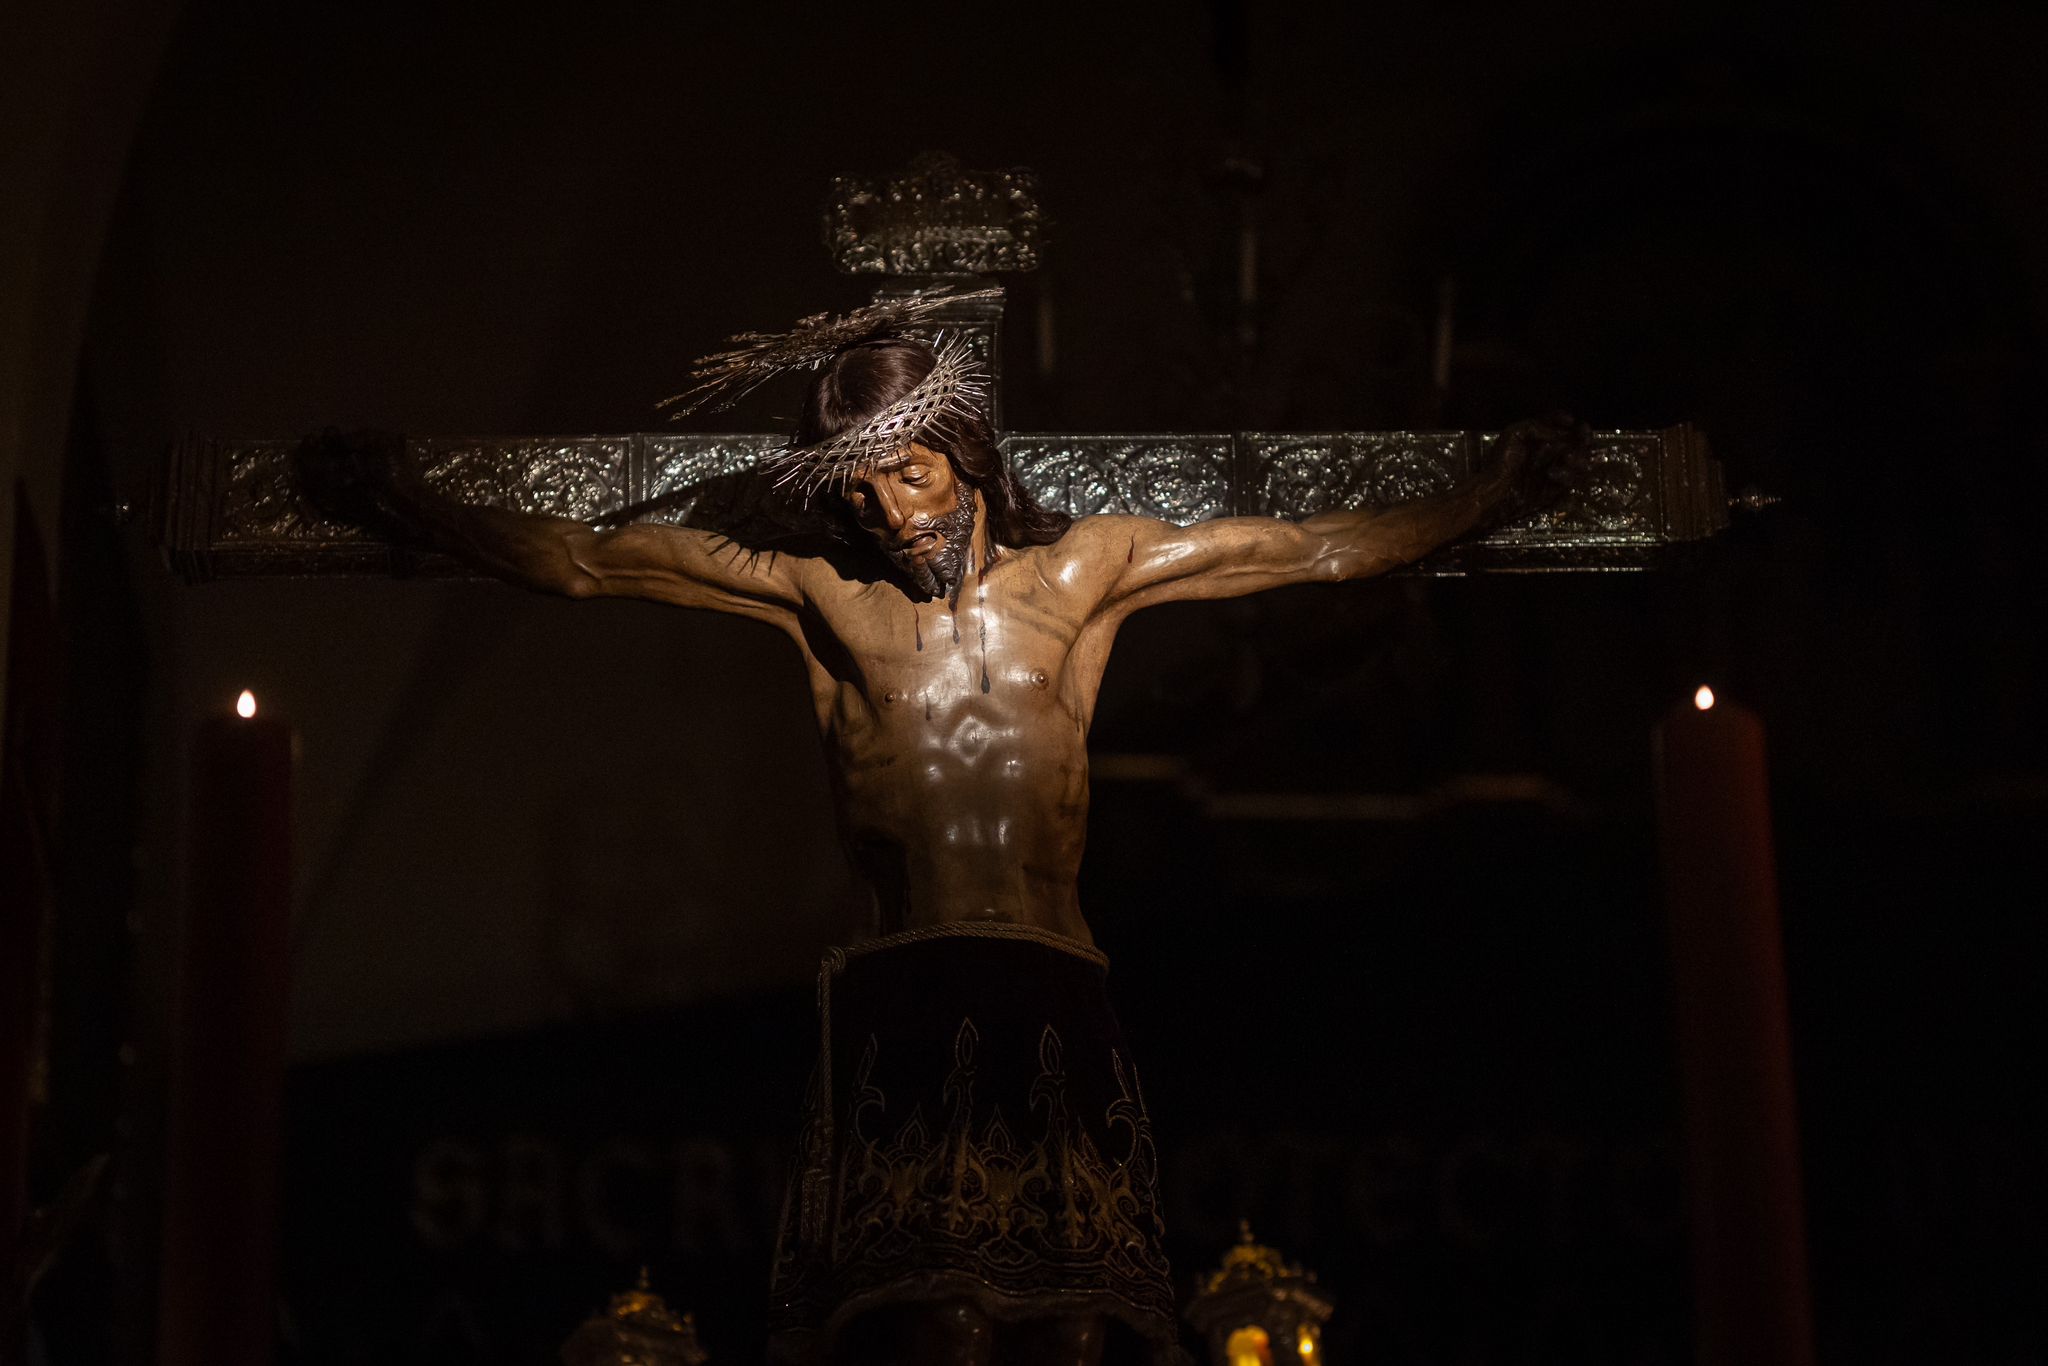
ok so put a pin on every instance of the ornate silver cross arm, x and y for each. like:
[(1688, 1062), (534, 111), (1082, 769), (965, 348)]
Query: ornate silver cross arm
[(232, 508)]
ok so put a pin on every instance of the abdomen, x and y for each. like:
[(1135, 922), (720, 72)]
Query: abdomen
[(980, 813)]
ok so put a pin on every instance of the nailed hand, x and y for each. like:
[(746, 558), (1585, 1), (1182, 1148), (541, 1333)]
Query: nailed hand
[(1538, 461), (363, 477)]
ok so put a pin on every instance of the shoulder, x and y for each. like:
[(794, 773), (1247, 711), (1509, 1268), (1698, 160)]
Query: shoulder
[(828, 567), (1088, 539), (1109, 537), (1092, 555)]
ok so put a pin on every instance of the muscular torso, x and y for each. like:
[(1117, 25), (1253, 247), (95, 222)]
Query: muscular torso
[(957, 741), (956, 732)]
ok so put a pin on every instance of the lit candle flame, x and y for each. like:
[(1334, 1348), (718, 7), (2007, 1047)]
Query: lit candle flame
[(1704, 698), (245, 705)]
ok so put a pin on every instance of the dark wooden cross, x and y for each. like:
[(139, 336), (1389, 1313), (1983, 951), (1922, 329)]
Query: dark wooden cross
[(233, 508)]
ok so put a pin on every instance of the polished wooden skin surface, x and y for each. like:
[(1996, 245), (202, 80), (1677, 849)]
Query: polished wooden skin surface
[(956, 726)]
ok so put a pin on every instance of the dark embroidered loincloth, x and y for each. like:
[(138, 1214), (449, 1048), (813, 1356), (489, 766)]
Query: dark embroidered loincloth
[(974, 1130)]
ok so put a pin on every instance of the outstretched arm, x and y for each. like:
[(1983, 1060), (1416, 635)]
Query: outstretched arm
[(687, 567), (1228, 557)]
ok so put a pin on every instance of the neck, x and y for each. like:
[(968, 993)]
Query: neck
[(977, 553), (978, 559)]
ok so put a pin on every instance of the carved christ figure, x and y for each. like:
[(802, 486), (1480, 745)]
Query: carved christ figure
[(976, 1177)]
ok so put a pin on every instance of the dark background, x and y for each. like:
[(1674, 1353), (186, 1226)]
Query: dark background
[(1374, 865)]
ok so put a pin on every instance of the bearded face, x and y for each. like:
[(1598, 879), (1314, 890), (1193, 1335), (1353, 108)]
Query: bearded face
[(940, 571), (921, 515)]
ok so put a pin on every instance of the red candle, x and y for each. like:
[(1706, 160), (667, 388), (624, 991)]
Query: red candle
[(1750, 1300), (218, 1295)]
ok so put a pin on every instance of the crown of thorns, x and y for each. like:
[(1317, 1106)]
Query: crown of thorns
[(954, 389)]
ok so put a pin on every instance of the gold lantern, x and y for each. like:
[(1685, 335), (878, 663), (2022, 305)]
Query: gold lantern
[(637, 1330), (1257, 1310)]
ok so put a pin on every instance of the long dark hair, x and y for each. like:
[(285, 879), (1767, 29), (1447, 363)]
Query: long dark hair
[(865, 378)]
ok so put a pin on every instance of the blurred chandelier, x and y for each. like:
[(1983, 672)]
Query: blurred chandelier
[(636, 1330), (1257, 1310)]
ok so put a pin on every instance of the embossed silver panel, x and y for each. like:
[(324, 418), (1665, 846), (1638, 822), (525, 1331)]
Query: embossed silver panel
[(259, 500), (1300, 474), (936, 219), (689, 479), (1181, 478), (580, 477)]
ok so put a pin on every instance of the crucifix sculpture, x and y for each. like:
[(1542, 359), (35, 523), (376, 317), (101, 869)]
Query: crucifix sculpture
[(975, 1179)]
